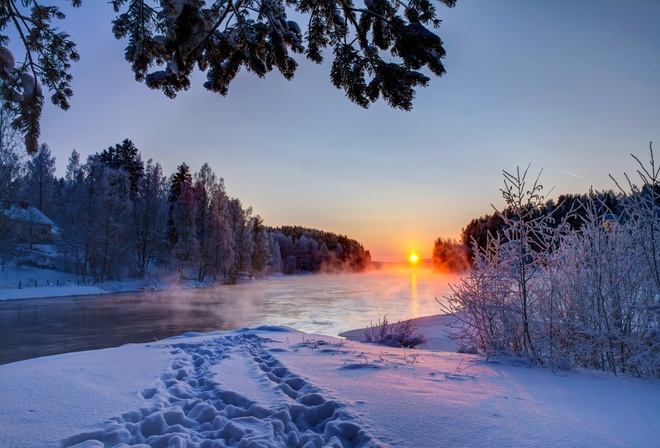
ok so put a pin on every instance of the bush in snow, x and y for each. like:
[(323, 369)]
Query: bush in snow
[(562, 296), (400, 334)]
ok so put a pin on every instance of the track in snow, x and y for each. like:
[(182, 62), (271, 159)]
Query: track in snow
[(194, 406)]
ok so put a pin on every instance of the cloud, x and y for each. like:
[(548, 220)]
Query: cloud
[(572, 174)]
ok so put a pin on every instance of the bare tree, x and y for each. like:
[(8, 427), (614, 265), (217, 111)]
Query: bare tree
[(149, 214), (40, 183)]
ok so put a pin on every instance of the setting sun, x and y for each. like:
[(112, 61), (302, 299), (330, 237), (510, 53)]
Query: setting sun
[(413, 258)]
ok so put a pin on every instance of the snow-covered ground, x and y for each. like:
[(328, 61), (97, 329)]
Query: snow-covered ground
[(275, 387), (33, 283), (30, 282)]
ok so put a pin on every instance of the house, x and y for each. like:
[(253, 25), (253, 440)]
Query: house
[(610, 220), (27, 223)]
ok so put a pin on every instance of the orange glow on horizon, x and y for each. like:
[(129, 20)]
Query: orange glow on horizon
[(413, 258)]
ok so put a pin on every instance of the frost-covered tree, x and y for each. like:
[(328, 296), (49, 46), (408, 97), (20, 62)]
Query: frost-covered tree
[(449, 256), (275, 262), (307, 253), (102, 222), (40, 183), (69, 215), (290, 266), (380, 48), (149, 216), (642, 205), (11, 172), (242, 242), (598, 297), (504, 292), (486, 320), (81, 219), (182, 232), (316, 250), (113, 197), (125, 156), (220, 245), (213, 225), (72, 167), (12, 163), (179, 182), (527, 243), (261, 252), (11, 160)]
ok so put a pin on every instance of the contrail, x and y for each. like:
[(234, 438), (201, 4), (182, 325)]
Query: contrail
[(572, 174)]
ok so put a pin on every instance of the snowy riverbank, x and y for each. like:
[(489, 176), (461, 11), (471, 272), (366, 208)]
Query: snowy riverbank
[(275, 387), (34, 283)]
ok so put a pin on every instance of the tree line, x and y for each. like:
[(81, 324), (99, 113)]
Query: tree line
[(117, 216), (567, 209), (451, 255)]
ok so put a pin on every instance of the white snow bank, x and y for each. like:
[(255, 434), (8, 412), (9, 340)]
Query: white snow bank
[(434, 328), (36, 283), (45, 400), (273, 387), (49, 291)]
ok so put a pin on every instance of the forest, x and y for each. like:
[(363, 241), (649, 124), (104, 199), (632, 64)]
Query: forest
[(115, 216)]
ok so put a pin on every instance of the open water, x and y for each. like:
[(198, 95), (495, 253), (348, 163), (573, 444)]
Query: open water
[(318, 304)]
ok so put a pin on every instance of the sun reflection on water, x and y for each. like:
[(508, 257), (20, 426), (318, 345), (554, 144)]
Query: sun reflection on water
[(414, 303)]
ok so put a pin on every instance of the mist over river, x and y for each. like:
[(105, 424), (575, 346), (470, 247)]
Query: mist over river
[(321, 304)]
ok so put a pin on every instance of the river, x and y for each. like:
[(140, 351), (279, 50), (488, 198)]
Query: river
[(320, 304)]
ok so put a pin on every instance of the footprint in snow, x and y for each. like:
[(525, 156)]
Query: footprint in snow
[(190, 408)]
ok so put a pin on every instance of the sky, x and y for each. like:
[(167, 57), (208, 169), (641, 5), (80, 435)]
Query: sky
[(570, 88)]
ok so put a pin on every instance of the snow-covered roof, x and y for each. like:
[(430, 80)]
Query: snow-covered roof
[(29, 214)]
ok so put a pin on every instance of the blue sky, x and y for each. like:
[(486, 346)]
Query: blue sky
[(570, 87)]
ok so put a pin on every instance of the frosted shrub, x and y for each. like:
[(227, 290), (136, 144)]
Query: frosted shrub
[(400, 334), (595, 296), (497, 304), (487, 319), (642, 207), (588, 297)]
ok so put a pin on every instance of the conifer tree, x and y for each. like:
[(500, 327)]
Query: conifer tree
[(261, 253), (379, 47), (40, 181), (127, 157), (181, 224), (48, 54), (73, 167), (180, 182)]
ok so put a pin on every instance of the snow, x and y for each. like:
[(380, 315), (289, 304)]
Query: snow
[(17, 212), (277, 387), (33, 283)]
